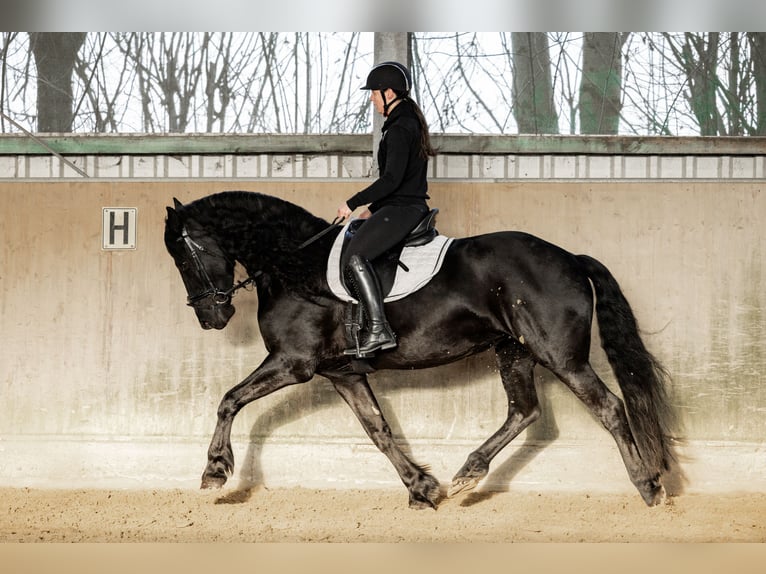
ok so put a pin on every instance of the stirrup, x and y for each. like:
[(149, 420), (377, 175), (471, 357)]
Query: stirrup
[(367, 353), (363, 351)]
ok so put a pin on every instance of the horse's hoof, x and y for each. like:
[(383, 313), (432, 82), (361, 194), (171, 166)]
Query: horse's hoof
[(430, 499), (212, 482), (417, 504), (659, 497), (462, 485), (427, 493), (654, 494)]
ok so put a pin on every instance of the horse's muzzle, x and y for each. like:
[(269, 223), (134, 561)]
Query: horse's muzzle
[(216, 317)]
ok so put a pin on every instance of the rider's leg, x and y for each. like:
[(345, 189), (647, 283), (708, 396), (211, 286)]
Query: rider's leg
[(378, 335), (383, 230)]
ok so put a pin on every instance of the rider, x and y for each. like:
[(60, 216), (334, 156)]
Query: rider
[(396, 200)]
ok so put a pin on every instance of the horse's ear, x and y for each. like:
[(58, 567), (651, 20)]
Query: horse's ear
[(174, 221), (177, 204)]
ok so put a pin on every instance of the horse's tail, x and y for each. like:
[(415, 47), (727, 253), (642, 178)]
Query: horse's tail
[(641, 377)]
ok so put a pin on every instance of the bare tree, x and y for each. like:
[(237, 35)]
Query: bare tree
[(640, 83), (567, 69), (104, 77), (532, 85), (601, 84), (720, 79), (757, 42), (467, 62), (55, 56), (218, 92), (697, 54), (344, 112), (8, 39)]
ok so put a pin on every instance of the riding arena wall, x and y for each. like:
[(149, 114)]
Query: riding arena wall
[(108, 381)]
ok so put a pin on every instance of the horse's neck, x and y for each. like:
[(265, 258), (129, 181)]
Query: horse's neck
[(265, 237), (252, 241)]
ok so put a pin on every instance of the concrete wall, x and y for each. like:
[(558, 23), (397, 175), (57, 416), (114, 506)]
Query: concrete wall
[(107, 380)]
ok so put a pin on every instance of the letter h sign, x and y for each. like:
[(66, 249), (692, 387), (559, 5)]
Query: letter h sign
[(119, 230)]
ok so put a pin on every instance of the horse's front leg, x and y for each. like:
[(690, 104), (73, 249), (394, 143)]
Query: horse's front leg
[(273, 374), (424, 489)]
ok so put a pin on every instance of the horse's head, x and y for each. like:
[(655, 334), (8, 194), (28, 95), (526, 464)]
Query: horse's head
[(206, 271)]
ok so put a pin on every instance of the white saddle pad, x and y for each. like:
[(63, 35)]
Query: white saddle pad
[(423, 263)]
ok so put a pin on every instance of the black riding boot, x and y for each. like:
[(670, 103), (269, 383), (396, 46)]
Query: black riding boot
[(378, 335)]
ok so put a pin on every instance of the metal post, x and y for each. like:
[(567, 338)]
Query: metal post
[(387, 46)]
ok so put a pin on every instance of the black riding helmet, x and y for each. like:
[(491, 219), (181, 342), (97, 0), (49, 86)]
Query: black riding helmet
[(389, 75)]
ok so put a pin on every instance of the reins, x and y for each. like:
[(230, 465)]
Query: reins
[(335, 223)]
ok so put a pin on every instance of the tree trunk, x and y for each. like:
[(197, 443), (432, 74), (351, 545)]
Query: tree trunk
[(601, 84), (699, 59), (532, 85), (758, 55), (55, 54)]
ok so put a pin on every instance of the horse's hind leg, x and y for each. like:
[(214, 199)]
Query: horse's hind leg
[(423, 487), (610, 410), (516, 370)]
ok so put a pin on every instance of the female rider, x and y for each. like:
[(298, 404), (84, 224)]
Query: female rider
[(396, 200)]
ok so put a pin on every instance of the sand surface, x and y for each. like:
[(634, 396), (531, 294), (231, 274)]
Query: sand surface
[(305, 515)]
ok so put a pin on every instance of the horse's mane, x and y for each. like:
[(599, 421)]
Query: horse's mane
[(258, 204), (268, 227)]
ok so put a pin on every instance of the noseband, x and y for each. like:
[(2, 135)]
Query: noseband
[(218, 296)]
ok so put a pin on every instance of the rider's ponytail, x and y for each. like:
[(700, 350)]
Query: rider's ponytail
[(426, 149)]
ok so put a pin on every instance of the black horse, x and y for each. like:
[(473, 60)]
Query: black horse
[(528, 299)]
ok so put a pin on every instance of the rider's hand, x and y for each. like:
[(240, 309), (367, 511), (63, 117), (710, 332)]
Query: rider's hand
[(343, 211)]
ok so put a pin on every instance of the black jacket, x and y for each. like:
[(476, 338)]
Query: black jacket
[(403, 171)]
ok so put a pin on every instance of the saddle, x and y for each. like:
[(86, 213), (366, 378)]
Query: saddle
[(387, 265)]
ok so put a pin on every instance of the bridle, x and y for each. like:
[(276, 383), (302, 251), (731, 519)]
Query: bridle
[(218, 296)]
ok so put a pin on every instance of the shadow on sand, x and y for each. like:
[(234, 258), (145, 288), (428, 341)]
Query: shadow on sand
[(303, 400)]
